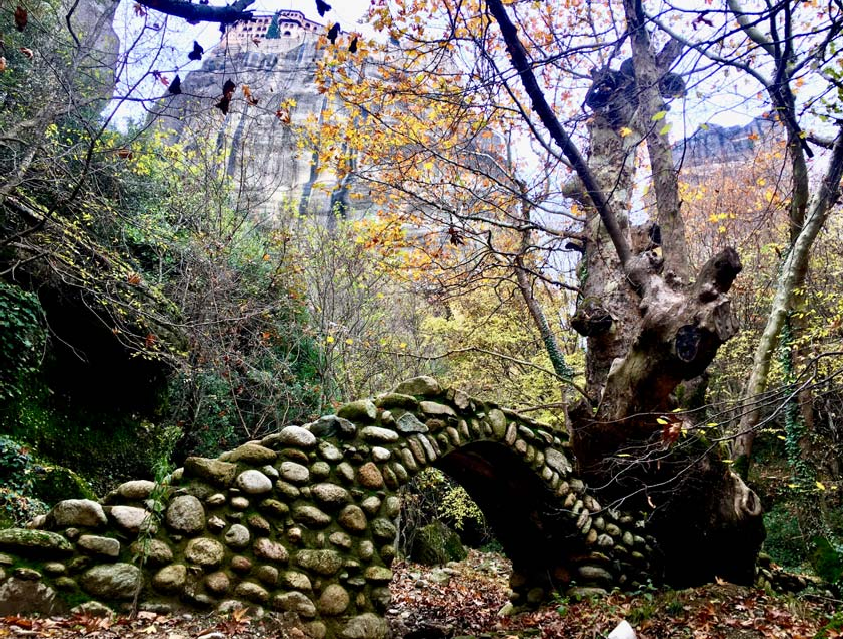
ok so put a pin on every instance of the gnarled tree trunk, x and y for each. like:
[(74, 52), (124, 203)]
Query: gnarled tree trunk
[(649, 326)]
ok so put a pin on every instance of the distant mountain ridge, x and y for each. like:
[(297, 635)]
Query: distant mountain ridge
[(716, 144)]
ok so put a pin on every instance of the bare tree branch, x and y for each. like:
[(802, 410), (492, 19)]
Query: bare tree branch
[(201, 12), (522, 65)]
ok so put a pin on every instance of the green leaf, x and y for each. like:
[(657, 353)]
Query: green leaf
[(662, 421), (659, 116), (665, 128)]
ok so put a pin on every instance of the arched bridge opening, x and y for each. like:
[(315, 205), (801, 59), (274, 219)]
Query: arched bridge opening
[(525, 515)]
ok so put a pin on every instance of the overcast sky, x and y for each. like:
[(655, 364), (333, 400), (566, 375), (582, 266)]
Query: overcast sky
[(168, 54)]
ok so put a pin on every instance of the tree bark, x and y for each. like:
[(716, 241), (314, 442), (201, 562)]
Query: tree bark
[(201, 12), (648, 75), (649, 329)]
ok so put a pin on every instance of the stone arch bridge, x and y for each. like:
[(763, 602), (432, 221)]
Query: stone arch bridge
[(304, 520)]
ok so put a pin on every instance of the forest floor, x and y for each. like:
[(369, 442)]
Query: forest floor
[(463, 600)]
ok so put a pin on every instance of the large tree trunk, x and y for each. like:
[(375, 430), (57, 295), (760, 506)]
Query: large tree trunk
[(606, 313), (649, 327)]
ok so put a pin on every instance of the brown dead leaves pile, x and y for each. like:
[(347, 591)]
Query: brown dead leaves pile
[(469, 604)]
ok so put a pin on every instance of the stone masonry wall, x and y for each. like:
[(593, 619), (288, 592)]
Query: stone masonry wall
[(303, 521)]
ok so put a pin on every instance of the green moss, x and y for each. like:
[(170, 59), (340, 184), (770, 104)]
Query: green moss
[(827, 560), (835, 625), (23, 540), (53, 484), (436, 544)]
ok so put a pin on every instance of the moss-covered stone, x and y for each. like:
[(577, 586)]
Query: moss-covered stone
[(422, 386), (365, 626), (322, 562), (362, 410), (334, 600), (170, 579), (205, 552), (77, 512), (296, 602), (22, 540), (30, 596), (396, 400), (112, 581), (153, 552), (219, 473), (290, 436), (52, 484), (436, 545)]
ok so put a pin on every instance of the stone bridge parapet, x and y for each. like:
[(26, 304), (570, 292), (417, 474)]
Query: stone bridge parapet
[(304, 521)]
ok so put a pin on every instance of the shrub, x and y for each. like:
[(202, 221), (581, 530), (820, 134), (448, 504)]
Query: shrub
[(16, 472), (827, 560), (22, 338), (785, 542)]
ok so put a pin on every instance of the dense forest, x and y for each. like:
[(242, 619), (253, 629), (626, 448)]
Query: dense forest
[(538, 203)]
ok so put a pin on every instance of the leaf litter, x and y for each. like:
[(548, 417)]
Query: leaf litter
[(464, 600)]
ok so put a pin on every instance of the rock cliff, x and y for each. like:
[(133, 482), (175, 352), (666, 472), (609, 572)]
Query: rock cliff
[(261, 142), (713, 145)]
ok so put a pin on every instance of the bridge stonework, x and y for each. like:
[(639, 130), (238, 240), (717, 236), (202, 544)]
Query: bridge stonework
[(304, 520)]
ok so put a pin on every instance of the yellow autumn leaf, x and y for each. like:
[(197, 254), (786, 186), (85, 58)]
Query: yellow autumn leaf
[(625, 131), (820, 485)]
